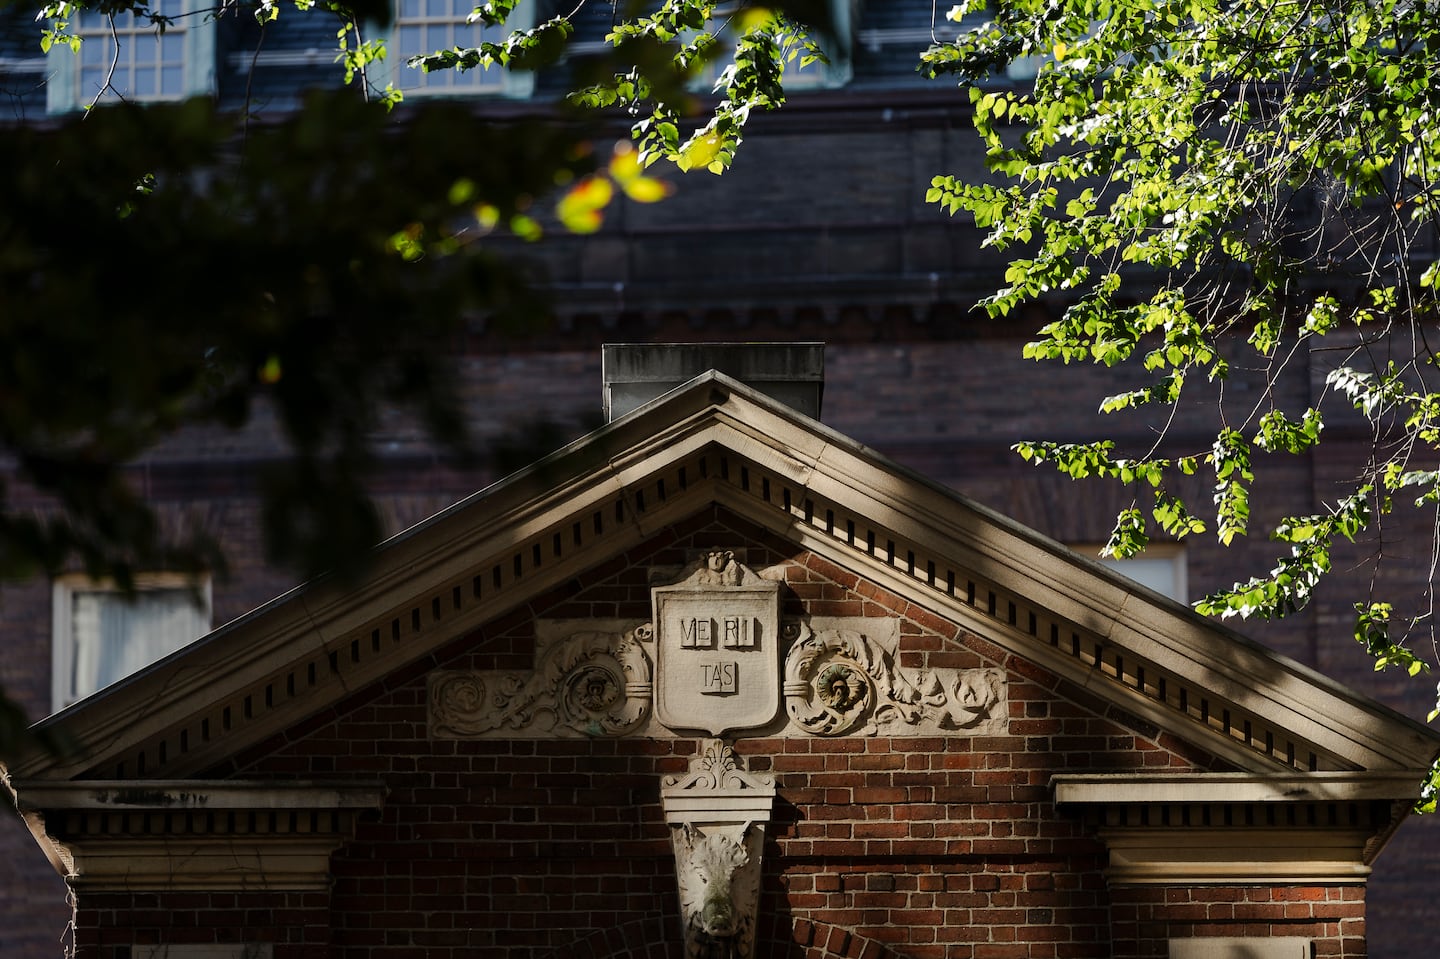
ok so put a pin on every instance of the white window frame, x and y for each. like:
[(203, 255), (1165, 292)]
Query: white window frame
[(513, 83), (63, 649), (1157, 556), (62, 89)]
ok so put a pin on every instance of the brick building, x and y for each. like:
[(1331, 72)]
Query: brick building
[(819, 233), (717, 680)]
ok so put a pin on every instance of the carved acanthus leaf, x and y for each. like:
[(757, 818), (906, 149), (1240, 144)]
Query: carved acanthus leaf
[(717, 766), (593, 683), (840, 680)]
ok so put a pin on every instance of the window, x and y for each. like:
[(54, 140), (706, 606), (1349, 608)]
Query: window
[(150, 64), (426, 26), (815, 76), (102, 635), (1161, 567)]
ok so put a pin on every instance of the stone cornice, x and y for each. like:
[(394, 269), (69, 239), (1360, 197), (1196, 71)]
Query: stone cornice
[(194, 835), (1240, 828), (1151, 788)]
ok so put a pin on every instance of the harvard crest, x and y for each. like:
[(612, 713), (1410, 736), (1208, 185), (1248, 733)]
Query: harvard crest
[(718, 647)]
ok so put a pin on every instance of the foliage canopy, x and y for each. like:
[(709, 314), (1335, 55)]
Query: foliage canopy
[(1219, 189)]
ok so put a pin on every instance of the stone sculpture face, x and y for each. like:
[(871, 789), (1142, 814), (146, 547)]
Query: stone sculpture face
[(707, 881)]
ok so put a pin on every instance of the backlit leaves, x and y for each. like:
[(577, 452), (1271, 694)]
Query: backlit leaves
[(1219, 196)]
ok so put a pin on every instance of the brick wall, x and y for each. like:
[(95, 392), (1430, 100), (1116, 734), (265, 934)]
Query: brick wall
[(297, 923), (1144, 918), (922, 847)]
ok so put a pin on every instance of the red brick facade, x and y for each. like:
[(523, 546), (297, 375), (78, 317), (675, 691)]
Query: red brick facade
[(953, 844), (1333, 917), (918, 847)]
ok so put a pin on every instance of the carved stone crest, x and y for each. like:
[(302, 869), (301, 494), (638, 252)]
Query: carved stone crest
[(710, 662), (717, 647)]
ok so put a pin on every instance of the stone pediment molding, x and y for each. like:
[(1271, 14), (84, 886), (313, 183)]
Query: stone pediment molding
[(715, 443)]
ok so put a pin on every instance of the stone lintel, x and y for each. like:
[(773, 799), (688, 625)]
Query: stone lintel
[(210, 864), (1239, 856)]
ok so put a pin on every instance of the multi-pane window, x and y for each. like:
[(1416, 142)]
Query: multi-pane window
[(102, 635), (134, 61), (423, 27), (134, 58)]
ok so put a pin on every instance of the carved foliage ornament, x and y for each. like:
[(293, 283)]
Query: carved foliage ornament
[(838, 681), (717, 768), (711, 662), (595, 683)]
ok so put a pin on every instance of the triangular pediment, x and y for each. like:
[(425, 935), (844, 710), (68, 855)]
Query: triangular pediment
[(950, 565)]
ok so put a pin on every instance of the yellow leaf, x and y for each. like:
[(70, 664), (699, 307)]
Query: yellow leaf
[(700, 152), (581, 208), (593, 191), (751, 19), (271, 372), (462, 190), (627, 170), (525, 227), (1060, 50), (625, 163), (646, 189), (583, 221)]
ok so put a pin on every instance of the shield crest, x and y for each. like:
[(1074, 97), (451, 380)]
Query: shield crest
[(717, 648)]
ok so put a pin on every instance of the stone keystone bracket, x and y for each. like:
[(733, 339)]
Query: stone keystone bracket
[(717, 814)]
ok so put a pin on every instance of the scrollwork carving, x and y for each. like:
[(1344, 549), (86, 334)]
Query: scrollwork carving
[(717, 766), (839, 681), (602, 678), (594, 683)]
